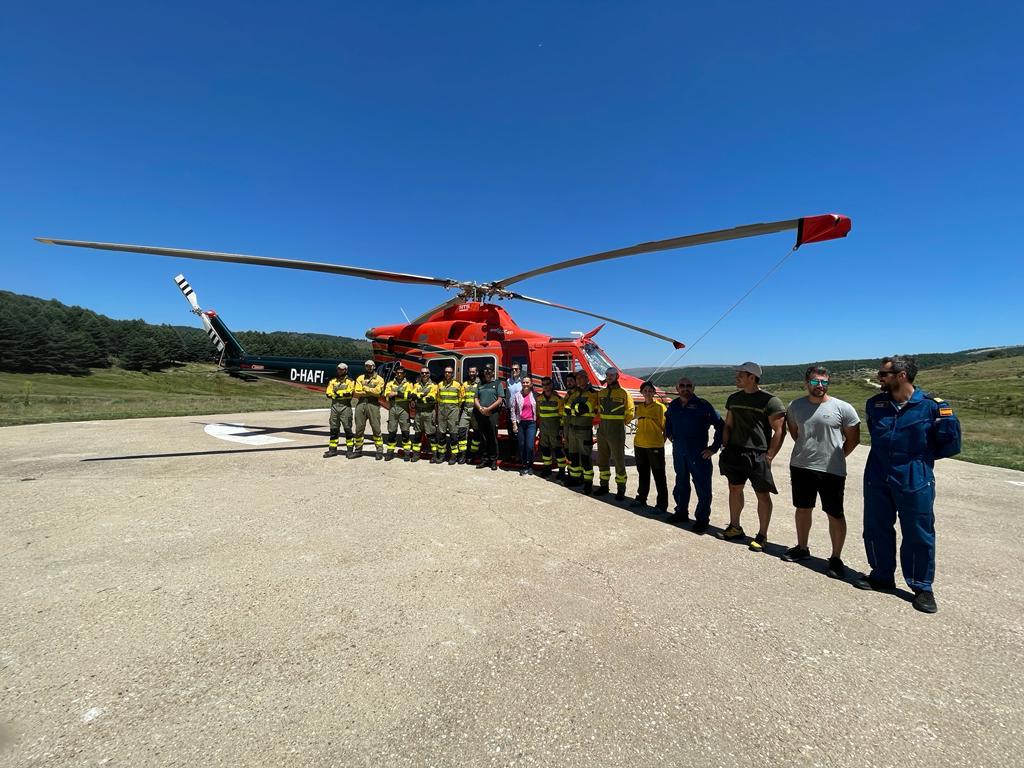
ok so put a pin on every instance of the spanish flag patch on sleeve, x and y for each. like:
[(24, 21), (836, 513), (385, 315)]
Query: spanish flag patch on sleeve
[(945, 411)]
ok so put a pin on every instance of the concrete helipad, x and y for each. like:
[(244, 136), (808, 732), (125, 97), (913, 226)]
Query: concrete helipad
[(171, 596)]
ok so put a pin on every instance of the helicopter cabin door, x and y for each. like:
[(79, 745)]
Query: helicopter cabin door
[(563, 362), (516, 352)]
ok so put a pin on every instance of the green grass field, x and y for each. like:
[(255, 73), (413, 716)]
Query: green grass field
[(113, 393), (988, 396)]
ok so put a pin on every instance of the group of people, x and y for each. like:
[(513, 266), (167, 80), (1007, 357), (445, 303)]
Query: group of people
[(909, 430)]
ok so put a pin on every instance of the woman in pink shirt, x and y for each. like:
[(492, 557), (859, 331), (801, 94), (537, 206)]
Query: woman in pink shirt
[(524, 424)]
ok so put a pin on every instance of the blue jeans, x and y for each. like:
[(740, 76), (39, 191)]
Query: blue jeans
[(527, 439), (689, 465)]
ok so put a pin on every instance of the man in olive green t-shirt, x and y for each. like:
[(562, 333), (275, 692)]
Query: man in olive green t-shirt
[(754, 431)]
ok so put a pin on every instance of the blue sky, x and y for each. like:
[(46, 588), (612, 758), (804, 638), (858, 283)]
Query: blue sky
[(476, 140)]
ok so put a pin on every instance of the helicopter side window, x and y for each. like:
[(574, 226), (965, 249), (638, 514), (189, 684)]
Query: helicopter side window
[(437, 366), (479, 363)]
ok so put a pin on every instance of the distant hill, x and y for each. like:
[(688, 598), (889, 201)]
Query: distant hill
[(46, 336), (721, 375)]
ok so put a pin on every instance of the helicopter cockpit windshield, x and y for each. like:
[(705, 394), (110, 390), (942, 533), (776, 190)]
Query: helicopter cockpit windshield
[(597, 359)]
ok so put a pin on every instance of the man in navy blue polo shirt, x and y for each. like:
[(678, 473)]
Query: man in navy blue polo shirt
[(687, 422)]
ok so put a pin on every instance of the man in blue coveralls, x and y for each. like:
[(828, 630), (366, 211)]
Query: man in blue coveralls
[(909, 431), (687, 421)]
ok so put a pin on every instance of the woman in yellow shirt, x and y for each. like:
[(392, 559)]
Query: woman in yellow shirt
[(649, 446)]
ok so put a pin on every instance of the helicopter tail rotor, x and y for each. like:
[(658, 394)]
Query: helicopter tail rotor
[(190, 295)]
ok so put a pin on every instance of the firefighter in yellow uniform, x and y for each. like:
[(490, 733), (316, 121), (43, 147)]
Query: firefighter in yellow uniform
[(339, 392), (398, 396), (424, 394), (550, 413), (615, 407), (466, 416), (369, 388), (449, 405), (580, 409)]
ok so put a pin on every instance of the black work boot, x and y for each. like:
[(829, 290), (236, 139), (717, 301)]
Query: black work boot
[(588, 489), (406, 455), (602, 489), (330, 452), (462, 458), (924, 601), (620, 491), (453, 460), (379, 453), (390, 456), (415, 456)]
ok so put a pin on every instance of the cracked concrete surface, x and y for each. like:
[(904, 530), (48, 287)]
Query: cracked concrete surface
[(167, 598)]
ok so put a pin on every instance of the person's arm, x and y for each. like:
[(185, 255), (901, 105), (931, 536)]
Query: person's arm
[(630, 409), (851, 438), (717, 422), (668, 423), (726, 428), (945, 434), (374, 388), (516, 410), (794, 428), (777, 421)]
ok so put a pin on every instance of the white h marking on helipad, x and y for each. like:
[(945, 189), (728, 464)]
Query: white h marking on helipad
[(235, 433)]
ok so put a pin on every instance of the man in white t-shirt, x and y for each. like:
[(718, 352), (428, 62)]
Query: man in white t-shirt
[(825, 430)]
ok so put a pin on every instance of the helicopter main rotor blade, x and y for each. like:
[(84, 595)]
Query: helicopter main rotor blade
[(831, 224), (623, 323), (260, 261)]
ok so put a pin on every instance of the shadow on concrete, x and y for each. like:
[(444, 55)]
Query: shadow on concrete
[(183, 454)]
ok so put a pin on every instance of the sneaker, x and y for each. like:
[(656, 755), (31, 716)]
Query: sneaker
[(836, 569), (732, 532), (796, 554), (700, 528), (483, 465), (866, 582), (757, 543), (924, 601)]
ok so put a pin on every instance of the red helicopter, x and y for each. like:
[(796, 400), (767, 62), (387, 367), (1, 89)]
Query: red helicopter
[(469, 329)]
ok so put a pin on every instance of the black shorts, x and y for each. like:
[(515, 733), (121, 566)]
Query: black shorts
[(741, 464), (811, 483)]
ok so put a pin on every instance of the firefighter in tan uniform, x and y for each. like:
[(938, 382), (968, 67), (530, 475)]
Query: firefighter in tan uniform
[(339, 392), (550, 414), (369, 388), (398, 396), (615, 407), (466, 415), (449, 404), (424, 394), (580, 409)]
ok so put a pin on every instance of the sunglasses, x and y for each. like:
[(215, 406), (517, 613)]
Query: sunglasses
[(887, 373), (818, 382)]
